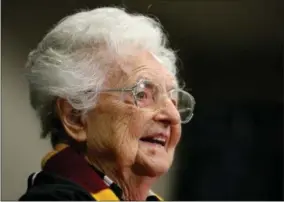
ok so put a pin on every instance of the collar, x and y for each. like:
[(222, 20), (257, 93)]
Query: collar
[(67, 163)]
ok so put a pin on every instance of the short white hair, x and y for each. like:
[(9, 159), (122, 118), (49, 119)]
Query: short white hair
[(72, 60)]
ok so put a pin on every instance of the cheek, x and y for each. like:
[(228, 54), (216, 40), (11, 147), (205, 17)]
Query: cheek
[(99, 134), (138, 124), (113, 131), (175, 136)]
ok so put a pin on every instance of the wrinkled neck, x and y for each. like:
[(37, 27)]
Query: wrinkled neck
[(134, 187)]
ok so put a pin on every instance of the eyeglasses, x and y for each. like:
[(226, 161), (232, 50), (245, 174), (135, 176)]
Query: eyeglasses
[(145, 94)]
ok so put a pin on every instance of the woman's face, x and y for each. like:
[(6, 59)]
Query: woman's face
[(141, 138)]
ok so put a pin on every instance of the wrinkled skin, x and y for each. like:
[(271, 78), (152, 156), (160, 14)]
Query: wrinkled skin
[(113, 129)]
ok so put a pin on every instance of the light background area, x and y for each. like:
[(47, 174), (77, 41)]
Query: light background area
[(22, 148)]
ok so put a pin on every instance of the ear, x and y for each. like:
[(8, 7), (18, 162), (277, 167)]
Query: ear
[(71, 120)]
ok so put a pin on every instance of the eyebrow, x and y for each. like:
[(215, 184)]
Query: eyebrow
[(174, 85)]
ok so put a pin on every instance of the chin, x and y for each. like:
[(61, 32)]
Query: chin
[(159, 170), (152, 167), (161, 166)]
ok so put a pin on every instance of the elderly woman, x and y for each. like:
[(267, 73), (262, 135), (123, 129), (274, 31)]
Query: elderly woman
[(104, 85)]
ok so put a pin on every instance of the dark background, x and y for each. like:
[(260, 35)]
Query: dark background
[(231, 57)]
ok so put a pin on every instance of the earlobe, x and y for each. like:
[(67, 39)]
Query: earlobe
[(71, 120)]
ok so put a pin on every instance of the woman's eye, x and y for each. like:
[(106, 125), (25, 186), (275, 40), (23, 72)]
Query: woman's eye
[(141, 95)]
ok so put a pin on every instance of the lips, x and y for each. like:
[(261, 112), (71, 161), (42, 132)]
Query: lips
[(160, 139)]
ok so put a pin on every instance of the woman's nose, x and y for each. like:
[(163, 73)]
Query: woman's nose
[(168, 113)]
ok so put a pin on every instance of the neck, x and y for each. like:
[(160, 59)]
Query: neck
[(135, 187)]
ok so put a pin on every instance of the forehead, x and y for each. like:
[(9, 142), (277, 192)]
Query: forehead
[(148, 66)]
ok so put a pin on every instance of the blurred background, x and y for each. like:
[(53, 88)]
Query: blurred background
[(231, 57)]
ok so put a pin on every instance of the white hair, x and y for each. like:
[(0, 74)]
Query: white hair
[(72, 60)]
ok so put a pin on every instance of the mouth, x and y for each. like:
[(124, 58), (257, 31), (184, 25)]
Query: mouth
[(158, 140)]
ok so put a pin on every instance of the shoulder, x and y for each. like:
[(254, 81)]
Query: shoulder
[(48, 187), (55, 193)]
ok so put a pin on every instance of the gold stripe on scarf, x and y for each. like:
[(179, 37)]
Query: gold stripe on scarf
[(105, 195)]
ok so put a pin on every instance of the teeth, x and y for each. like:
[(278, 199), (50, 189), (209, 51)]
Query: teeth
[(160, 139)]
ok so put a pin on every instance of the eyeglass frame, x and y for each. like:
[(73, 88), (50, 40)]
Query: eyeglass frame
[(133, 88)]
